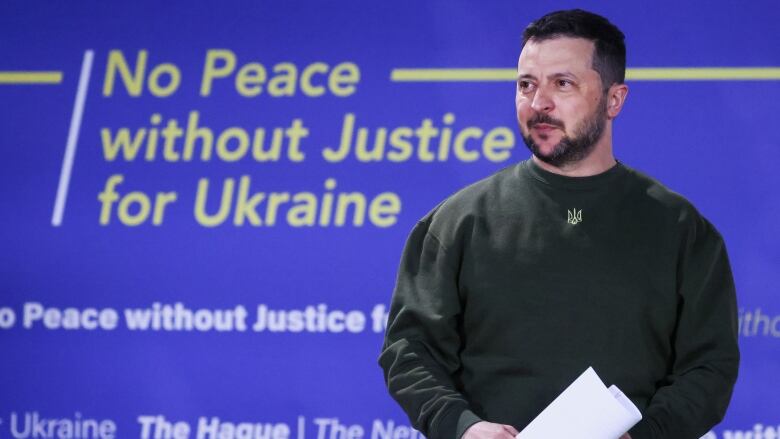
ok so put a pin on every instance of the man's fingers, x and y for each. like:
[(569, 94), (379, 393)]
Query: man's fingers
[(488, 430)]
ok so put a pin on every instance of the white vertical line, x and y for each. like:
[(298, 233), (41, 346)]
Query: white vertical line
[(301, 427), (73, 137)]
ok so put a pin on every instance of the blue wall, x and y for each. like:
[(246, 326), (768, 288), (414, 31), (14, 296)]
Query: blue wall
[(713, 141)]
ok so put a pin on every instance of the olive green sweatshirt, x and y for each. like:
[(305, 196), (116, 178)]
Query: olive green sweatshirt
[(509, 289)]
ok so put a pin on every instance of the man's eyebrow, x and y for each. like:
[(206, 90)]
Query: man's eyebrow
[(564, 74)]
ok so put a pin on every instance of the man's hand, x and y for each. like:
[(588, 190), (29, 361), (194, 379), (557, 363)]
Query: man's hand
[(488, 430)]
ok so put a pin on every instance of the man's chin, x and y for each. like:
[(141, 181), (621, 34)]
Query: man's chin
[(548, 158), (546, 153)]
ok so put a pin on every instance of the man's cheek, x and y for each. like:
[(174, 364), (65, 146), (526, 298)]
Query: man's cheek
[(522, 122)]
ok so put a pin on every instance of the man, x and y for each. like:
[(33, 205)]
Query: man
[(512, 287)]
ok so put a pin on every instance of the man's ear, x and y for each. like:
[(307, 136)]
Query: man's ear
[(616, 97)]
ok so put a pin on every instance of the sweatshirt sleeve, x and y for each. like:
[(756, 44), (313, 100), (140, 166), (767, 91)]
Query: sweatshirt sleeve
[(694, 396), (422, 341)]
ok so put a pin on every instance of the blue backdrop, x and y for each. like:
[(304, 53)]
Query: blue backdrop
[(178, 279)]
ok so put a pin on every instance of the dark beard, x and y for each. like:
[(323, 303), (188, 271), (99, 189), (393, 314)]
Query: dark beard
[(570, 149)]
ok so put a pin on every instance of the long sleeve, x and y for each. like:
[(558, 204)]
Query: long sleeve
[(695, 395), (420, 352)]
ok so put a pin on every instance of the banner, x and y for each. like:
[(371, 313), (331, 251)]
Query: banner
[(204, 204)]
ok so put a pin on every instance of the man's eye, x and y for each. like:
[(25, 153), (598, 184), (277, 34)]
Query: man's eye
[(524, 85), (563, 83)]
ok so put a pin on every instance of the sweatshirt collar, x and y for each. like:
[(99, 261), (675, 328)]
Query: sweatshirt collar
[(530, 168)]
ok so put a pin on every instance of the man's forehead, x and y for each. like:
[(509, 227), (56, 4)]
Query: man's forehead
[(559, 53)]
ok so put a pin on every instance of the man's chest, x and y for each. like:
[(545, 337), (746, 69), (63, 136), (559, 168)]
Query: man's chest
[(571, 266)]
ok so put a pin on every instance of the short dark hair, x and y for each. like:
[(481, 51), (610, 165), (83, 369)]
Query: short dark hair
[(609, 55)]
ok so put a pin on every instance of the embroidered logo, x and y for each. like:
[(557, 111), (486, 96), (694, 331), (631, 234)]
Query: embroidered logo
[(575, 216)]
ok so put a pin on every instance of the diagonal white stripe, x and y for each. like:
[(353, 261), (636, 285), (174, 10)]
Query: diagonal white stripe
[(73, 137)]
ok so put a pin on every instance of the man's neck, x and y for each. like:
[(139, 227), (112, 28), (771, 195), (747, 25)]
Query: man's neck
[(582, 168)]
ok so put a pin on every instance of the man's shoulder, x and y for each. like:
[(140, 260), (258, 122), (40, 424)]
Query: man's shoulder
[(658, 192), (474, 199), (658, 197)]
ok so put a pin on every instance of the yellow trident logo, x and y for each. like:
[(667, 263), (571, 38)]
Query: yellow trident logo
[(575, 216)]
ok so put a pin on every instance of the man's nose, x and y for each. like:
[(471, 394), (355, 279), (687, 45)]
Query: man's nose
[(542, 102)]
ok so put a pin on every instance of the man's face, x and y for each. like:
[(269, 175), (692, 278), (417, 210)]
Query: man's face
[(561, 106)]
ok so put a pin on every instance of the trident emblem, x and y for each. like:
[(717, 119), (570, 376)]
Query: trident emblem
[(575, 217)]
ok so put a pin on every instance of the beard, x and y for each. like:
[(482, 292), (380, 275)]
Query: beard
[(569, 149)]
